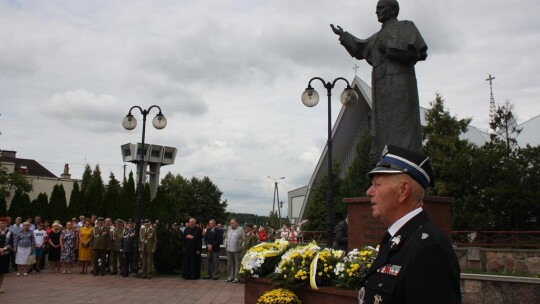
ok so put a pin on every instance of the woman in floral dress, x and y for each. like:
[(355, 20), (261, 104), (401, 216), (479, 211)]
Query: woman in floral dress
[(68, 243)]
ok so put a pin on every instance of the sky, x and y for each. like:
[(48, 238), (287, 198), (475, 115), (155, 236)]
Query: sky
[(228, 76)]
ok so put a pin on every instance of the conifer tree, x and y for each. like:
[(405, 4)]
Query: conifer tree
[(41, 206), (128, 197), (58, 204), (112, 200), (75, 207), (3, 207), (94, 194)]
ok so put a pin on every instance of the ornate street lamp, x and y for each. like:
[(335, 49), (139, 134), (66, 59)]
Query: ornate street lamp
[(129, 123), (310, 98)]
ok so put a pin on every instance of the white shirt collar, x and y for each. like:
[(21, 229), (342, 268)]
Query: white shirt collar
[(402, 221)]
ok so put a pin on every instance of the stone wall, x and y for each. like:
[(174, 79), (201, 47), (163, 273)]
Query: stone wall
[(490, 289), (524, 262)]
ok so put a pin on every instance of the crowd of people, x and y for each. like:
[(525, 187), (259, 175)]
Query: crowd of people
[(97, 245), (234, 239), (100, 246)]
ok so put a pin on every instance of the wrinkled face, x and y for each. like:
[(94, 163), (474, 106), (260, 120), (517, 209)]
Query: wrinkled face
[(234, 224), (192, 223), (384, 11), (211, 224), (384, 197), (26, 227)]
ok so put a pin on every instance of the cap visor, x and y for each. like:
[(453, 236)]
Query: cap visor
[(383, 170)]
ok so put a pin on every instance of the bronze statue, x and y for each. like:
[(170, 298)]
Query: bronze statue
[(392, 52)]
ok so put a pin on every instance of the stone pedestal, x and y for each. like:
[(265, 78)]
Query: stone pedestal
[(365, 230)]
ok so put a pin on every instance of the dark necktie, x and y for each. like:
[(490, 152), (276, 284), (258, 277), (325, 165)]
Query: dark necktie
[(385, 239)]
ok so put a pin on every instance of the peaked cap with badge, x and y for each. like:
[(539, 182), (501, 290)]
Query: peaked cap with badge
[(398, 160)]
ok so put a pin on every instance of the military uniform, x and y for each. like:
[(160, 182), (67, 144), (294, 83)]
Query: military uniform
[(128, 252), (147, 247), (416, 262), (416, 265), (100, 244), (116, 258)]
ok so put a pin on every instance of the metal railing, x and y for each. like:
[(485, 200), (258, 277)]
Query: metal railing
[(489, 239)]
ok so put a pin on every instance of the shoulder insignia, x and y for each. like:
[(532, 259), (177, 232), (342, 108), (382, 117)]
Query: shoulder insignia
[(425, 236)]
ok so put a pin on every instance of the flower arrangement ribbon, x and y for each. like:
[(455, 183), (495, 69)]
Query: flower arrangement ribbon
[(313, 272)]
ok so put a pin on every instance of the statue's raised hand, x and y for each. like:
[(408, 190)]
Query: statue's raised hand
[(337, 29)]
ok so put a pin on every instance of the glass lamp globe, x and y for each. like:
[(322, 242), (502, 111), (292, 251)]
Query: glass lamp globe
[(159, 121), (129, 122), (349, 97), (310, 97)]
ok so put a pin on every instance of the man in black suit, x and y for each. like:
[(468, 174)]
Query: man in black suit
[(213, 239), (415, 263), (342, 235)]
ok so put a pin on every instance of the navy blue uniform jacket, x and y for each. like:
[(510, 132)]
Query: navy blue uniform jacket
[(418, 265)]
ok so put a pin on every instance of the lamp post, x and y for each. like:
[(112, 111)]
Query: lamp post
[(129, 123), (276, 197), (310, 98)]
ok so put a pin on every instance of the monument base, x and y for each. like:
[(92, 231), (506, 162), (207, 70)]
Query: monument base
[(365, 230)]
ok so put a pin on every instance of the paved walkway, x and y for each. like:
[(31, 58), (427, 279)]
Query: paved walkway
[(48, 287)]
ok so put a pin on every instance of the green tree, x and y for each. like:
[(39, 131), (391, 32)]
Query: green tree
[(449, 153), (504, 126), (112, 200), (58, 204), (20, 205), (95, 192), (41, 206), (12, 181), (207, 201), (128, 197), (3, 207), (75, 207), (273, 220), (85, 184), (500, 165), (317, 208), (356, 183)]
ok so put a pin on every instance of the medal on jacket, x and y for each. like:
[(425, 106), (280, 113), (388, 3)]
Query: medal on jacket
[(377, 299), (395, 241)]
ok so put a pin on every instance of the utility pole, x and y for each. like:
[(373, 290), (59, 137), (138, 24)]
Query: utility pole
[(276, 197)]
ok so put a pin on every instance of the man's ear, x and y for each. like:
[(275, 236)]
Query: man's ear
[(404, 190)]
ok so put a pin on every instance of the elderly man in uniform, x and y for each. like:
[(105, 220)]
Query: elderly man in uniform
[(147, 248), (117, 260), (416, 262), (100, 246)]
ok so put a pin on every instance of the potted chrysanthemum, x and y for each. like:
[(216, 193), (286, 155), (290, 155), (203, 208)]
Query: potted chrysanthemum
[(279, 296)]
